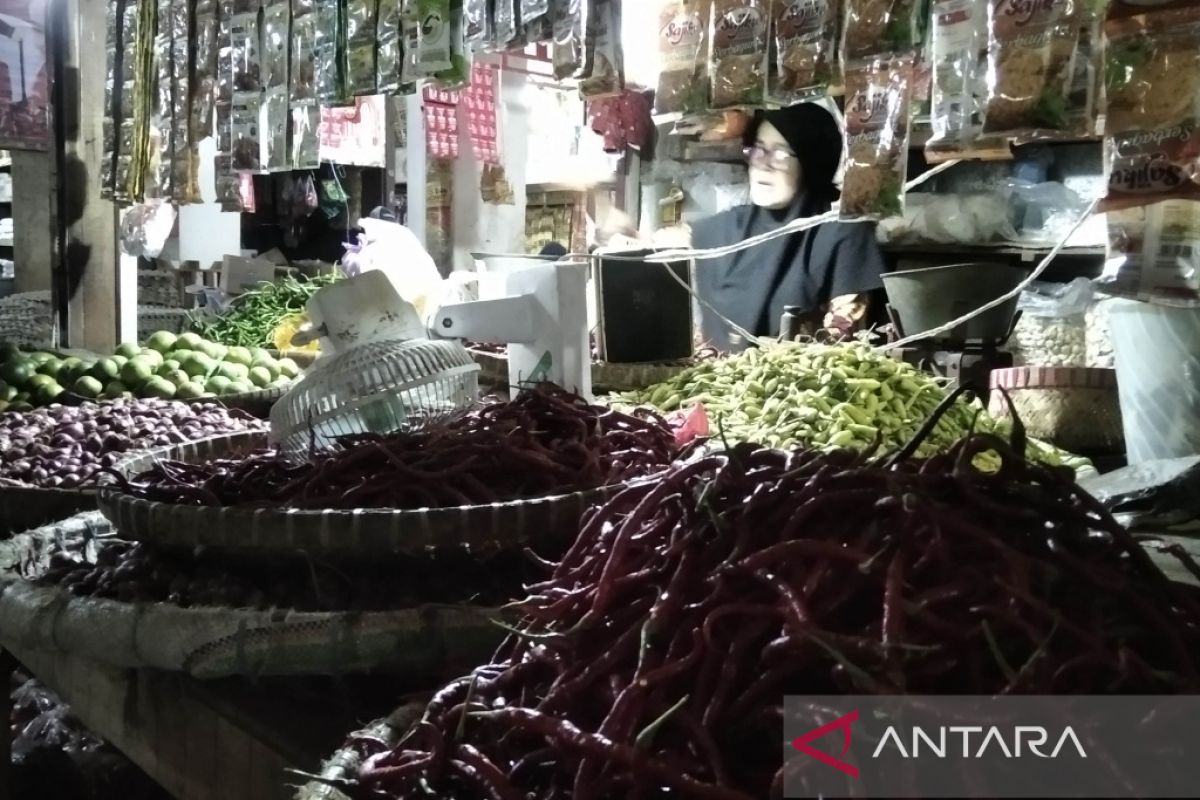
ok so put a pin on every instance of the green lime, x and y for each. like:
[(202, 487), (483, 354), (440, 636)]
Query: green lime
[(198, 366), (41, 357), (218, 384), (7, 393), (235, 372), (115, 389), (181, 355), (189, 391), (136, 372), (178, 377), (167, 367), (88, 387), (260, 355), (260, 377), (51, 368), (240, 355), (189, 341), (240, 387), (213, 350), (288, 367), (15, 373), (106, 370), (162, 341), (128, 349), (158, 387), (20, 407), (121, 360), (47, 393), (153, 356), (37, 381), (22, 397)]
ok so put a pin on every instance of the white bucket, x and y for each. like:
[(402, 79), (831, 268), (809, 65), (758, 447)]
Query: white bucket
[(1157, 352)]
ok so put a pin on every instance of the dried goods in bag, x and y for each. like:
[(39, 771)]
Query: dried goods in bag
[(805, 38), (1153, 120), (606, 72), (536, 20), (433, 36), (570, 51), (330, 52), (303, 73), (508, 24), (879, 27), (390, 47), (959, 47), (683, 73), (478, 23), (877, 122), (738, 48), (459, 72), (1030, 66), (276, 38), (1154, 253)]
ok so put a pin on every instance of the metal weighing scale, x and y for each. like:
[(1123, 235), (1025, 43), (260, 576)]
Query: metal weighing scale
[(925, 299)]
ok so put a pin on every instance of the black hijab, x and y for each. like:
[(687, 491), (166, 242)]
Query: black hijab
[(751, 286)]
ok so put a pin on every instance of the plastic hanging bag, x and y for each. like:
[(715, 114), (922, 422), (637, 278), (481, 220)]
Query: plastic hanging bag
[(738, 47), (570, 51), (1052, 330), (1030, 67), (146, 227), (805, 33), (683, 70), (1154, 254), (877, 126), (433, 36), (880, 27), (606, 62)]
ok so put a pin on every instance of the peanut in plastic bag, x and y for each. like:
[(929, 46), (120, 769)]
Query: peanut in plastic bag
[(683, 66), (738, 47), (805, 40), (877, 126)]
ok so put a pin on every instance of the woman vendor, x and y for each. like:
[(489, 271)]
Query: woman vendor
[(829, 271)]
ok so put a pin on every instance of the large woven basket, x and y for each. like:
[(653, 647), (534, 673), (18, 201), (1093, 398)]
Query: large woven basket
[(25, 507), (605, 377), (431, 640), (335, 534)]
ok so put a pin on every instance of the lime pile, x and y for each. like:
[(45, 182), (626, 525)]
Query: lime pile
[(186, 367)]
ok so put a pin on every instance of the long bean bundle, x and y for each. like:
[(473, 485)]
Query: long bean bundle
[(546, 442), (255, 315), (654, 659)]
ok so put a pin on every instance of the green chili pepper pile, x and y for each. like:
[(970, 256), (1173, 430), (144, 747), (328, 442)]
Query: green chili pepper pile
[(823, 397), (254, 316)]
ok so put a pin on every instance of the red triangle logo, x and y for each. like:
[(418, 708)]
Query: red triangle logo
[(844, 725)]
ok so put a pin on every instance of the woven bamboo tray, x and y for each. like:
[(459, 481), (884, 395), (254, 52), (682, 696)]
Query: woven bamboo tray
[(335, 534), (493, 371), (25, 507), (222, 642)]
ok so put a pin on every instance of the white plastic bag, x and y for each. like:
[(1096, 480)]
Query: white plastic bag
[(1052, 331), (397, 252)]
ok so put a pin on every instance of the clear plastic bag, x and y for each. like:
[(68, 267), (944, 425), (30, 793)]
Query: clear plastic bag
[(1052, 331)]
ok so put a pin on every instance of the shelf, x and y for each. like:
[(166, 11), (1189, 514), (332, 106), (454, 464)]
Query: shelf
[(1027, 253)]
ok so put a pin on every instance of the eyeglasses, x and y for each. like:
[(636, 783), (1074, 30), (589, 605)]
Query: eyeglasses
[(773, 158)]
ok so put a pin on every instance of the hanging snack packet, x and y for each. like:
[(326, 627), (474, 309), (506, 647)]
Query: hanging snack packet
[(738, 47), (1153, 120), (1154, 253), (306, 140), (805, 34), (433, 36), (388, 34), (959, 40), (507, 18), (1084, 90), (276, 39), (1030, 67), (459, 72), (536, 20), (478, 24), (683, 72), (162, 122), (303, 72), (330, 52), (606, 73), (181, 70), (570, 51), (879, 27), (360, 47), (877, 115)]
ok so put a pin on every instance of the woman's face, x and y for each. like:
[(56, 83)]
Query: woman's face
[(774, 170)]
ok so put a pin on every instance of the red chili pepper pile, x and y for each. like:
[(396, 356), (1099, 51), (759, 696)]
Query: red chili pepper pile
[(545, 442), (653, 662)]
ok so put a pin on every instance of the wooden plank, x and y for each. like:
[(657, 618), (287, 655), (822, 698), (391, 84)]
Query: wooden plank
[(168, 729)]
